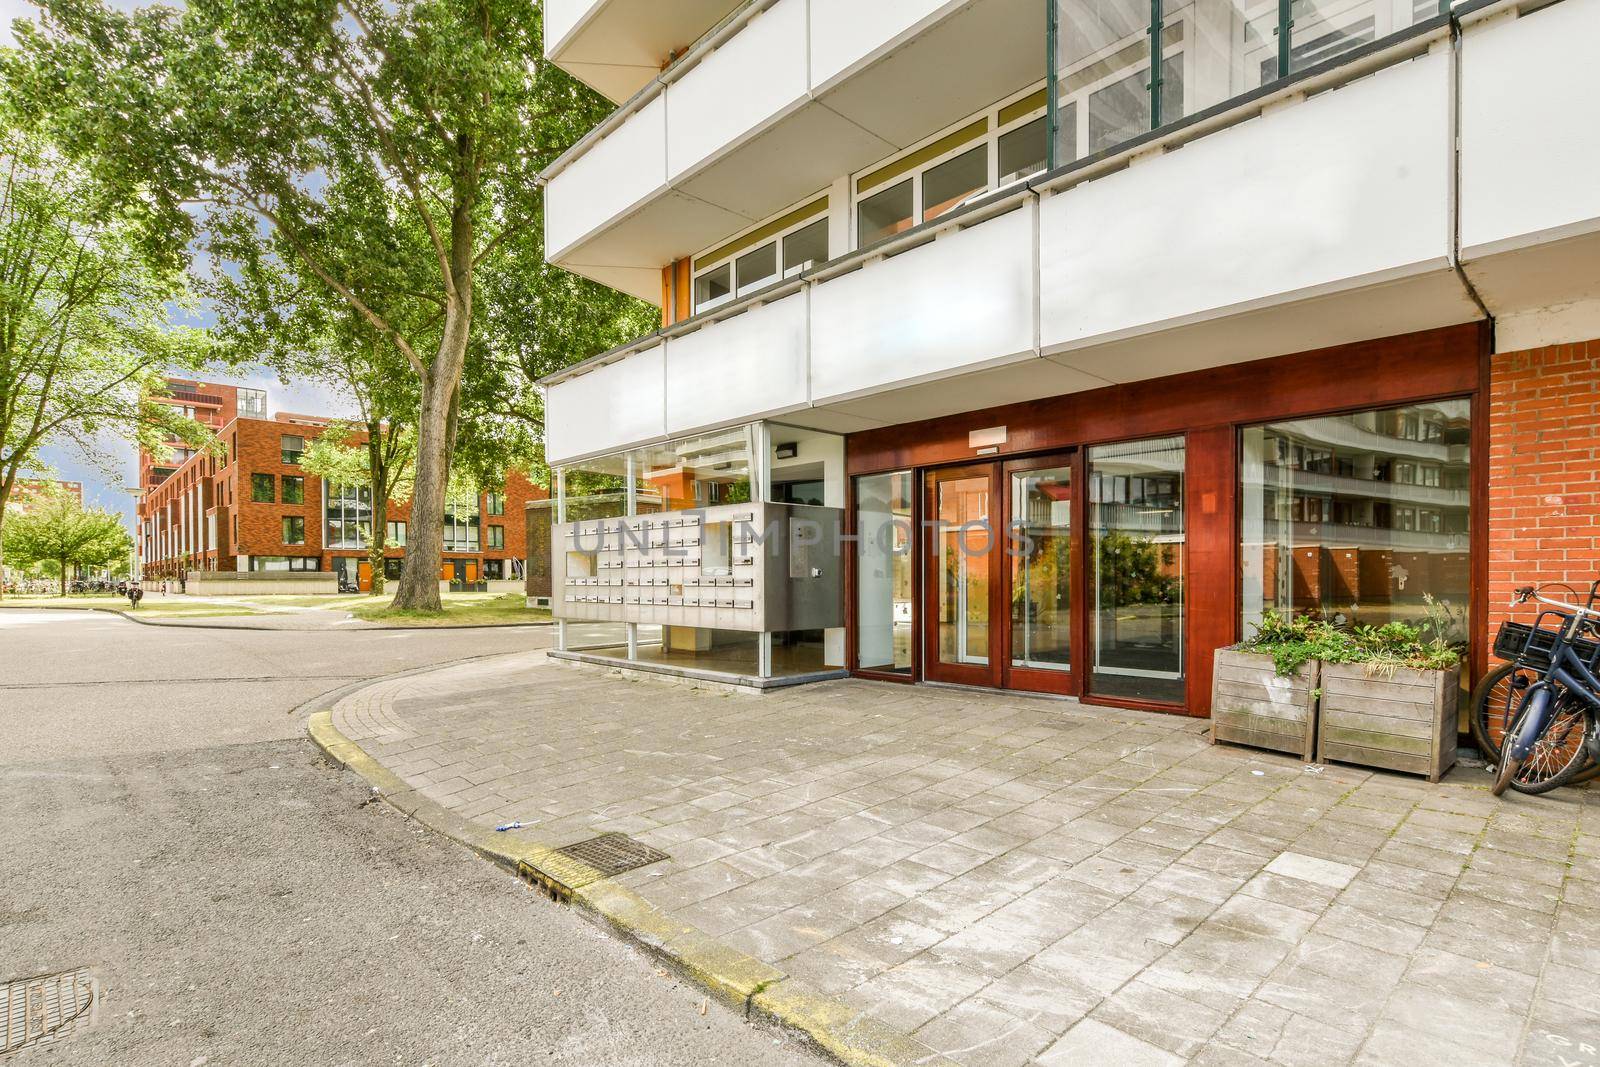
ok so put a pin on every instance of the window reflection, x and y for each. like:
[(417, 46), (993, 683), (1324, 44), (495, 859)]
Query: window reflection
[(1041, 568), (884, 576), (1356, 517), (1136, 529)]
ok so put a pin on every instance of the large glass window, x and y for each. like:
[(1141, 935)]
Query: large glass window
[(885, 213), (1357, 518), (1136, 561), (294, 489), (263, 488), (805, 247), (950, 183), (1041, 568), (349, 510), (294, 530), (885, 578), (461, 524)]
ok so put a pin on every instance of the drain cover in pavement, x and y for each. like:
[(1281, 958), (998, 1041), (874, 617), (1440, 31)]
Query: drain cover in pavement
[(42, 1009), (611, 854)]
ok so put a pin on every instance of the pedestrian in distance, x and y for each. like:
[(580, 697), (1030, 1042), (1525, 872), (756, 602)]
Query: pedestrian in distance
[(135, 594)]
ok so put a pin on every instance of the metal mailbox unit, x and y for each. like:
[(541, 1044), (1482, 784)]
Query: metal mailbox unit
[(751, 567)]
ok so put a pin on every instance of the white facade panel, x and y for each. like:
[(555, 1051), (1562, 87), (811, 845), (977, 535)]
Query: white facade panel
[(844, 32), (1528, 158), (619, 404), (561, 17), (959, 302), (750, 365), (758, 74), (1345, 189), (626, 167)]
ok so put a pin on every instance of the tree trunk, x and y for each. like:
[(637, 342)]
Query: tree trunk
[(419, 581), (63, 562), (380, 505), (4, 495)]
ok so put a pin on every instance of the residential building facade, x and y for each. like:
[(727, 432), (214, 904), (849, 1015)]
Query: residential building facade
[(1097, 330), (249, 505)]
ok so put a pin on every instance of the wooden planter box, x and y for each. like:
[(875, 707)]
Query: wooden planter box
[(1252, 705), (1400, 722)]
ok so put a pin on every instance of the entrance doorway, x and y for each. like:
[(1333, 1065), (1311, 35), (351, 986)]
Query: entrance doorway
[(999, 574)]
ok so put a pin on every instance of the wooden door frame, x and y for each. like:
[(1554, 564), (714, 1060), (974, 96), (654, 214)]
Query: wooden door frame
[(989, 675), (1032, 679)]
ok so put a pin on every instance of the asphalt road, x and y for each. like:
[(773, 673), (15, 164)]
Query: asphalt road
[(164, 821)]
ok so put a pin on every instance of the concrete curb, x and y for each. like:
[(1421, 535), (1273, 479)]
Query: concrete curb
[(177, 623), (743, 983)]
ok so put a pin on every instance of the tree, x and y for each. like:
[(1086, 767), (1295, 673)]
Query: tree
[(57, 529), (383, 464), (84, 340), (381, 152)]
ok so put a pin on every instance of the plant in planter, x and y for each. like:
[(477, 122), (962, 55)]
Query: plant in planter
[(1390, 700), (1380, 696), (1264, 690)]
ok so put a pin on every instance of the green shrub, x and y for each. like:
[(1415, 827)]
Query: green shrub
[(1293, 641)]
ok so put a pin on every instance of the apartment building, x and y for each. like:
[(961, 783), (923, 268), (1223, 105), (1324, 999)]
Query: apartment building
[(1095, 329), (250, 506), (29, 490)]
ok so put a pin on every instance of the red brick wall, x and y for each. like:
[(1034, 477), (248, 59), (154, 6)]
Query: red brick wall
[(1544, 470)]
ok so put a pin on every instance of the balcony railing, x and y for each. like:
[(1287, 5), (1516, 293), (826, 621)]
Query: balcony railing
[(179, 396)]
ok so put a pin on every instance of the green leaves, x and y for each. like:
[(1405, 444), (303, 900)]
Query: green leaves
[(56, 528), (1293, 641), (84, 332)]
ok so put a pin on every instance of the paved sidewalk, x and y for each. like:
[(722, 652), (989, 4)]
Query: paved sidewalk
[(1025, 881)]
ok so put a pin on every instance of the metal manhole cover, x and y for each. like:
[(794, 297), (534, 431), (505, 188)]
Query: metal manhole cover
[(41, 1009), (612, 854)]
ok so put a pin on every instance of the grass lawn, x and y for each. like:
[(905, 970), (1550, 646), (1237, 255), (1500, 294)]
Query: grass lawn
[(155, 607), (460, 609)]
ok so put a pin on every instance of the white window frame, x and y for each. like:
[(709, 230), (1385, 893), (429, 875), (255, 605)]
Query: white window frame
[(735, 291), (990, 139)]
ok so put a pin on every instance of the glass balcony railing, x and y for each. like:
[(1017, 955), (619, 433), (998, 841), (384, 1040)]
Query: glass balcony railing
[(1107, 91)]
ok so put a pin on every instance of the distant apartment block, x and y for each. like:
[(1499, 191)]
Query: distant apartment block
[(251, 506)]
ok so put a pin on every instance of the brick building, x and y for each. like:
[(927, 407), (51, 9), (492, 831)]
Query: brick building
[(29, 489), (250, 506)]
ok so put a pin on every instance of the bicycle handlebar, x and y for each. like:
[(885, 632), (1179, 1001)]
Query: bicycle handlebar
[(1527, 593)]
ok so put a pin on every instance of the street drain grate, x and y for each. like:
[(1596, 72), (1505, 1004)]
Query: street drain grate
[(40, 1010), (612, 854)]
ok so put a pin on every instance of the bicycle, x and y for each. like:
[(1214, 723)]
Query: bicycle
[(1553, 736), (1495, 698)]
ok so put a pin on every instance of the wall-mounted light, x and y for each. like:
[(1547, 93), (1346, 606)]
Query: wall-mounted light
[(786, 451)]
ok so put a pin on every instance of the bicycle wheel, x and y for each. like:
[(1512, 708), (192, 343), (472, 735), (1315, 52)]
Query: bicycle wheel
[(1494, 702), (1526, 726), (1559, 753)]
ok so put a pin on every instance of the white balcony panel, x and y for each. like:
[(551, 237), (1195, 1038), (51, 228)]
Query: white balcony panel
[(611, 407), (623, 170), (757, 76), (1530, 201), (1344, 190), (749, 366), (997, 46), (958, 303), (616, 46), (845, 34)]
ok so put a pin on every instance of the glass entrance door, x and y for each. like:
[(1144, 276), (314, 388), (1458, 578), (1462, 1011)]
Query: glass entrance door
[(961, 585), (999, 574), (1040, 549)]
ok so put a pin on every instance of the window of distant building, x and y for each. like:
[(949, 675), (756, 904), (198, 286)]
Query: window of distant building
[(262, 489), (397, 535), (253, 403), (496, 503), (292, 448), (497, 537), (294, 530), (294, 489), (461, 524)]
